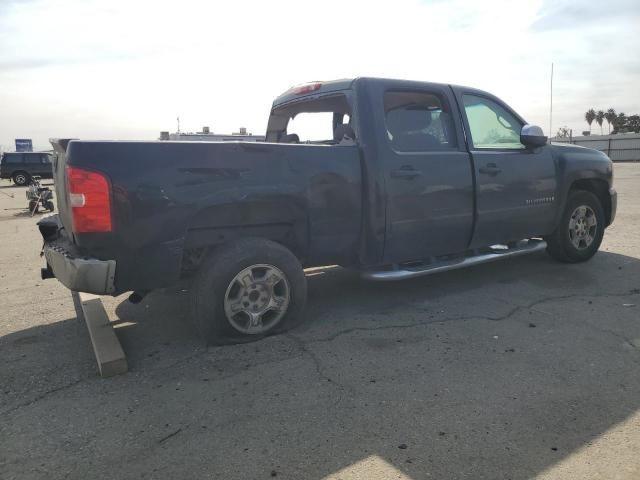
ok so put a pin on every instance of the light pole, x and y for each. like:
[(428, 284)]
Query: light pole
[(551, 105)]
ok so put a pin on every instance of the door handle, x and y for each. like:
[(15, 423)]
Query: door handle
[(405, 173), (490, 169)]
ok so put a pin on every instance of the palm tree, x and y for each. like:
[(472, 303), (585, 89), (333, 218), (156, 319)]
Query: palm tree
[(600, 119), (590, 116), (610, 116), (619, 123)]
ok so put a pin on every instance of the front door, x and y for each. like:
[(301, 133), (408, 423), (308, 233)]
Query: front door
[(516, 186), (428, 175)]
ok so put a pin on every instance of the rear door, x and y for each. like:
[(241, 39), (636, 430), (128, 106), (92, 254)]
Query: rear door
[(516, 186), (428, 175)]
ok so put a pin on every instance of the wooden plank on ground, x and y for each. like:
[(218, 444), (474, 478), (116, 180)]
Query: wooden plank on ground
[(106, 346)]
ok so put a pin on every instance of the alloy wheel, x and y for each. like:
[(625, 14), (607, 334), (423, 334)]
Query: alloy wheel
[(256, 299)]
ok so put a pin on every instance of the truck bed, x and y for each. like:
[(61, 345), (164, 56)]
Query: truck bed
[(168, 198)]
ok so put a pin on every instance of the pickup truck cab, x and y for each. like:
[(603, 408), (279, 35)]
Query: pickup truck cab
[(394, 178)]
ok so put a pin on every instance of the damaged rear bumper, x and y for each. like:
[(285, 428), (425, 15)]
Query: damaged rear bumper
[(76, 272), (80, 274)]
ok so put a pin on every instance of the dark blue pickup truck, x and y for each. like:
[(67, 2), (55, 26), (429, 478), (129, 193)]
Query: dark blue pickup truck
[(394, 178)]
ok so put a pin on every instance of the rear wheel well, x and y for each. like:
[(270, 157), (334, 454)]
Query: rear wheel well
[(194, 257), (600, 189)]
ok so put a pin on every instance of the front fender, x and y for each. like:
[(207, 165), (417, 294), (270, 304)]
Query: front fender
[(580, 167)]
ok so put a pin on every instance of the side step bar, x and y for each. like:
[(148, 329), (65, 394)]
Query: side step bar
[(403, 273)]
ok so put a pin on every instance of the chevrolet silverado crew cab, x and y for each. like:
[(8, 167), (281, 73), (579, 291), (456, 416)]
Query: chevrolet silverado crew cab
[(393, 178)]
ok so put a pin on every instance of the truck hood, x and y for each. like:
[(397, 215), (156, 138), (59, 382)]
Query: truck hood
[(577, 151)]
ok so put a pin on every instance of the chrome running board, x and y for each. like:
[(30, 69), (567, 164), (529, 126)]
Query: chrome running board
[(401, 272)]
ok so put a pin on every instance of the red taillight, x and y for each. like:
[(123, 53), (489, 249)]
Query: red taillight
[(306, 88), (90, 200)]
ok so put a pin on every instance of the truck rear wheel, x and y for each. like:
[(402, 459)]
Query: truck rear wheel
[(247, 290), (579, 234)]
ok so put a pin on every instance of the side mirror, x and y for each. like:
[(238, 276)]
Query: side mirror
[(532, 136)]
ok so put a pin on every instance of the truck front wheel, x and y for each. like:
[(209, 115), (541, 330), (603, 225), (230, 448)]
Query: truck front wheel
[(247, 290), (579, 234)]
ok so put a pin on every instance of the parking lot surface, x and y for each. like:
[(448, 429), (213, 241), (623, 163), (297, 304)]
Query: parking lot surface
[(525, 368)]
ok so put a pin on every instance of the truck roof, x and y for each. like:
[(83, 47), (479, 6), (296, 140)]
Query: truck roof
[(315, 87), (326, 86)]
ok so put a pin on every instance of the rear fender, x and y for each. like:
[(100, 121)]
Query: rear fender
[(256, 212)]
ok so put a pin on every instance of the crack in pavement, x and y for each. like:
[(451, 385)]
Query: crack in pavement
[(303, 344), (619, 335), (42, 396), (167, 437), (499, 318), (316, 361)]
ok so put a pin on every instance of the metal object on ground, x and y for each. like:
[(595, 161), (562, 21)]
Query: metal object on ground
[(402, 273)]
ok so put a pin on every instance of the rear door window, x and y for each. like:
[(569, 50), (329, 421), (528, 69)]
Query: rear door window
[(418, 122)]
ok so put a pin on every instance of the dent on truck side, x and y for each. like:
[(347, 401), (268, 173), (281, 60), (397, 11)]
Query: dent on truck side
[(271, 211), (583, 168), (306, 197)]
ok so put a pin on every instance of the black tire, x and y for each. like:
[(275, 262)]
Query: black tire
[(21, 178), (49, 205), (561, 243), (216, 280), (33, 206)]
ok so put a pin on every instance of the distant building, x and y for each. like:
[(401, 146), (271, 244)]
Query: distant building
[(208, 136)]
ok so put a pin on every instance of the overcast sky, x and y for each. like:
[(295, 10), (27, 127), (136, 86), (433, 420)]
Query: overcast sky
[(126, 69)]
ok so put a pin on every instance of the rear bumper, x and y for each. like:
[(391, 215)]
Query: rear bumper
[(614, 204), (78, 269), (80, 274)]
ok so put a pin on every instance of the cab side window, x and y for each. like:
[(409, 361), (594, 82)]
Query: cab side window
[(418, 122), (491, 126)]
